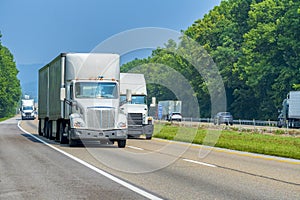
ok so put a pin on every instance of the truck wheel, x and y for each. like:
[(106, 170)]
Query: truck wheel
[(121, 143), (148, 137), (49, 130), (40, 128), (62, 139), (45, 130)]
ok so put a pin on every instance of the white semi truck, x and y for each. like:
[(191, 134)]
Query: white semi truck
[(290, 113), (79, 99), (170, 110), (27, 108), (134, 103)]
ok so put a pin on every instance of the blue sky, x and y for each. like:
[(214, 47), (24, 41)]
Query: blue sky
[(36, 31)]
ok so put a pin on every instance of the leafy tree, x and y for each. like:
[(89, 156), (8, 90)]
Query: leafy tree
[(10, 90), (256, 46)]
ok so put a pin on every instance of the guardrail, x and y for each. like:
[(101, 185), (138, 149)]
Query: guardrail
[(239, 121)]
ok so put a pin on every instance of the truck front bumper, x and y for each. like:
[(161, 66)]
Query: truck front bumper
[(86, 134), (28, 116), (136, 130)]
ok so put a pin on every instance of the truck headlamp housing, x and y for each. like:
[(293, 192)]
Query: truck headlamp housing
[(78, 124), (122, 125), (77, 121)]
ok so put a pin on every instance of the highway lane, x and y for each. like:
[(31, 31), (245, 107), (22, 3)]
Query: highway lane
[(31, 170), (175, 171)]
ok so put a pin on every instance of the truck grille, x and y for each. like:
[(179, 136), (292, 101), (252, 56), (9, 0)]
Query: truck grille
[(101, 119), (135, 119)]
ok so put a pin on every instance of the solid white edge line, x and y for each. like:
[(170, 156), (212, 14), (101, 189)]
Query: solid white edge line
[(107, 175), (200, 163), (137, 148)]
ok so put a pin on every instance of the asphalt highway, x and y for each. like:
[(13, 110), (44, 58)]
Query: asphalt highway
[(32, 166)]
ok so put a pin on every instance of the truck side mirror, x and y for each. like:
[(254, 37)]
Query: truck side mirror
[(128, 95), (62, 94), (153, 104)]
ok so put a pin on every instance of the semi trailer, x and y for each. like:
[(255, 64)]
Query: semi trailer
[(170, 110), (134, 103), (290, 114), (79, 99)]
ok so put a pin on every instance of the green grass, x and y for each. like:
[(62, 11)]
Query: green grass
[(277, 145), (5, 118)]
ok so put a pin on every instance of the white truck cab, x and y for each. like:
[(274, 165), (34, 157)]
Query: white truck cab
[(134, 103)]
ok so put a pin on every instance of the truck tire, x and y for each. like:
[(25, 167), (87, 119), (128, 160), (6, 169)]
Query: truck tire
[(49, 130), (40, 128), (45, 129), (148, 137), (62, 139), (121, 143)]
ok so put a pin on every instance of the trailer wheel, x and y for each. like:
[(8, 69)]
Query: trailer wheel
[(49, 130), (45, 129), (40, 128), (121, 143)]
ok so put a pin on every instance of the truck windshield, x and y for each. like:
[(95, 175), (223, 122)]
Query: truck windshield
[(27, 108), (96, 90), (135, 99)]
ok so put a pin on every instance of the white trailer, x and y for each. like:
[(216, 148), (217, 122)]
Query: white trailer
[(170, 110), (290, 113), (27, 108), (79, 99), (134, 103)]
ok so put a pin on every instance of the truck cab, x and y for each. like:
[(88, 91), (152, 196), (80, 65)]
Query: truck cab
[(133, 101), (27, 109), (81, 101)]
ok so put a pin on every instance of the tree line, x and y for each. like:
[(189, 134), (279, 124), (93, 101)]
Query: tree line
[(255, 45), (10, 89)]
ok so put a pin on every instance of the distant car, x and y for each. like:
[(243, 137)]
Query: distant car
[(175, 116), (223, 118)]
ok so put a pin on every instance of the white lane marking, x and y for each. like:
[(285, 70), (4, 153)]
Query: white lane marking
[(137, 148), (200, 163), (107, 175)]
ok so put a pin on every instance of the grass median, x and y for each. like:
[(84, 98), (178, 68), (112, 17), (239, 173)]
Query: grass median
[(277, 145)]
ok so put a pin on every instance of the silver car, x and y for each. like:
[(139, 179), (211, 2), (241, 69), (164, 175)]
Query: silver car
[(223, 118)]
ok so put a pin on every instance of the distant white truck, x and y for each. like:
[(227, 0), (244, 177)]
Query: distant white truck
[(170, 110), (27, 108), (78, 98), (133, 102), (290, 113)]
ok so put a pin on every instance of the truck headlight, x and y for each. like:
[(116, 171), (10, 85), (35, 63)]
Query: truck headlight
[(78, 124), (77, 121), (122, 125)]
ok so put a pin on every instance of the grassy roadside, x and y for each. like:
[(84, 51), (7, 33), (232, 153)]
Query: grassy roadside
[(5, 118), (277, 145)]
